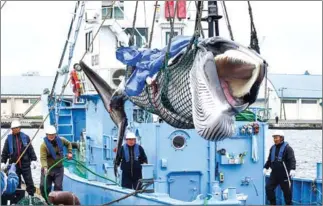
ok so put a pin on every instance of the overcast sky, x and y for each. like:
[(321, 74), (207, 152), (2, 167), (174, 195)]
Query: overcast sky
[(33, 34)]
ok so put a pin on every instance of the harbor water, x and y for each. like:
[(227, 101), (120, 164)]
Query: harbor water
[(307, 145)]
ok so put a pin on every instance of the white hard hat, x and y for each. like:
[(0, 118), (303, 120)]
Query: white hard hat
[(130, 135), (15, 123), (278, 133), (50, 130)]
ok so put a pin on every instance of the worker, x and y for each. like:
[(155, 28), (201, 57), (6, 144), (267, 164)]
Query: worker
[(14, 146), (51, 151), (9, 183), (282, 162), (131, 157)]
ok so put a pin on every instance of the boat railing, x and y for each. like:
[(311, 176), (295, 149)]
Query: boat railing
[(254, 114)]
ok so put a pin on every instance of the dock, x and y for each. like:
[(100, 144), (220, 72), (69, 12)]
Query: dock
[(296, 124), (26, 123)]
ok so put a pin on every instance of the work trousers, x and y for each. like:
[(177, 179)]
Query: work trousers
[(25, 171), (129, 181), (55, 176), (284, 185)]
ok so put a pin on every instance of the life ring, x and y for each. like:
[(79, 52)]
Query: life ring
[(76, 83)]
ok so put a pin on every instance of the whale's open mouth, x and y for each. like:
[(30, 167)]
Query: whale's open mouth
[(237, 73)]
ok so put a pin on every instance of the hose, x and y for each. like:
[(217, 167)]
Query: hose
[(254, 152), (287, 175), (77, 162)]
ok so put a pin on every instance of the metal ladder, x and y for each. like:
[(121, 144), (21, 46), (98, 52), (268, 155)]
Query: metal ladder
[(65, 118)]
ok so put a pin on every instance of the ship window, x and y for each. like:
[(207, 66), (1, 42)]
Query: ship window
[(289, 101), (25, 101), (309, 101), (112, 12), (179, 142), (88, 40), (140, 40), (3, 101)]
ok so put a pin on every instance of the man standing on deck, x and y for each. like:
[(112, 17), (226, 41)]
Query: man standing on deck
[(131, 157), (282, 162), (51, 151), (14, 146)]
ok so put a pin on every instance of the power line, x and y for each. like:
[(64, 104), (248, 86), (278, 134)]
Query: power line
[(288, 88)]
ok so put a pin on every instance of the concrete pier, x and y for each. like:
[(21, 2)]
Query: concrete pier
[(25, 123)]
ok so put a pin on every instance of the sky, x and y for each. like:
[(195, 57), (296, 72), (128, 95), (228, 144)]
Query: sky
[(33, 34)]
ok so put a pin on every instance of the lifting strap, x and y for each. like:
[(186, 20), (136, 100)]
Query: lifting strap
[(254, 44)]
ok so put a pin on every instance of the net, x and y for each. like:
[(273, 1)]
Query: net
[(170, 97)]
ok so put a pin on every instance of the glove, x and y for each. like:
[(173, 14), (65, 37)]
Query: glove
[(3, 166), (264, 171), (12, 168), (69, 156), (45, 170), (33, 164), (292, 173)]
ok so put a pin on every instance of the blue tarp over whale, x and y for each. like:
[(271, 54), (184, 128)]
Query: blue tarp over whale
[(147, 62)]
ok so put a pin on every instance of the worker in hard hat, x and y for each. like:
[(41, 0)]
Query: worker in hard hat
[(131, 157), (51, 151), (282, 162), (14, 146), (9, 183)]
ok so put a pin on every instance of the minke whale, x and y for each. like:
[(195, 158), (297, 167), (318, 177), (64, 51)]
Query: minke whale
[(202, 89)]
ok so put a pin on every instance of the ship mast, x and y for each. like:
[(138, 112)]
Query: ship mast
[(213, 18)]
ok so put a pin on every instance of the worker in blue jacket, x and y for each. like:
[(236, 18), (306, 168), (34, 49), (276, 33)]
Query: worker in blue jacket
[(131, 157), (15, 144), (282, 162), (9, 183)]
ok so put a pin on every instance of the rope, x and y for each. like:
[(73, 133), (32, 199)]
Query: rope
[(77, 162), (59, 98), (226, 16), (153, 25), (3, 4), (198, 18), (51, 108), (199, 8), (132, 41), (129, 195), (145, 13), (64, 49), (253, 39), (171, 21), (22, 117)]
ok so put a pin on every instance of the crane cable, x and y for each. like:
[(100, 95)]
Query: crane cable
[(227, 20), (4, 3), (153, 25), (61, 94)]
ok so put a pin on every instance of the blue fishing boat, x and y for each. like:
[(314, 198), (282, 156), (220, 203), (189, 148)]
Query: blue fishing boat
[(186, 166)]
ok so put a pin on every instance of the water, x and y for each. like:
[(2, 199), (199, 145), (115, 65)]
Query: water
[(307, 145)]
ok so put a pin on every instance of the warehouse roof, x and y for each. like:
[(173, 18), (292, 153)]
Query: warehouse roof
[(31, 85), (297, 85)]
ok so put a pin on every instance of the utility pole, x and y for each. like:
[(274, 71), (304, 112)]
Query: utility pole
[(281, 103)]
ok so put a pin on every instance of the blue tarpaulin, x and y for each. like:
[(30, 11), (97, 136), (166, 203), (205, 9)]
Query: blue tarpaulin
[(147, 62)]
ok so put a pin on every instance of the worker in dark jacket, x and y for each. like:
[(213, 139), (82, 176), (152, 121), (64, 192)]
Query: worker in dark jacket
[(52, 151), (14, 146), (282, 162), (131, 156)]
